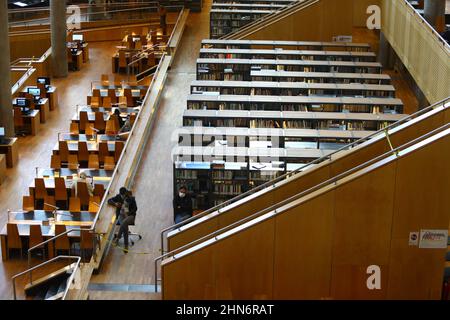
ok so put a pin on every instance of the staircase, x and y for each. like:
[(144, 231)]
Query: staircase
[(320, 239), (54, 284)]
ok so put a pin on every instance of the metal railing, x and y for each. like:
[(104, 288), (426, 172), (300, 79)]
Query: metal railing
[(29, 271), (126, 11), (273, 182), (214, 234)]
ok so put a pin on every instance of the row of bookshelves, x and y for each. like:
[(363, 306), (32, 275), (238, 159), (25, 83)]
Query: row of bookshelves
[(317, 77), (252, 88), (281, 54), (225, 21), (289, 45), (295, 103), (241, 69)]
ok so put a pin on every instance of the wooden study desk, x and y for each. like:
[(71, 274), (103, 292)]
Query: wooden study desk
[(116, 87), (128, 57), (93, 147), (51, 93), (91, 117), (65, 173), (50, 184), (2, 168), (42, 105), (23, 220), (32, 120), (85, 138), (123, 111), (9, 147)]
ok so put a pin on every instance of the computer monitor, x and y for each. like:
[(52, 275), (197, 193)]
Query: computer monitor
[(22, 102), (77, 37), (2, 132), (43, 80), (34, 92)]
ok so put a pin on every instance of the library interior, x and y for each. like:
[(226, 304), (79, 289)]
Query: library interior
[(225, 150)]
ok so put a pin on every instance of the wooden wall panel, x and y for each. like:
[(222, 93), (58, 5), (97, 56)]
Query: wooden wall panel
[(303, 248), (29, 45), (363, 219), (422, 180), (244, 263), (191, 277), (319, 22)]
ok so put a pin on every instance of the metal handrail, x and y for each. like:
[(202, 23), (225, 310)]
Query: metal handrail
[(30, 270), (97, 216), (292, 173), (393, 151)]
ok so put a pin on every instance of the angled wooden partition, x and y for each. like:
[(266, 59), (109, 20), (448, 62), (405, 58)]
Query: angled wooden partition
[(322, 245), (338, 164)]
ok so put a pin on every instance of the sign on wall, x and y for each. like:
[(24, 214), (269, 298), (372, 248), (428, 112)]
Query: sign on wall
[(433, 239)]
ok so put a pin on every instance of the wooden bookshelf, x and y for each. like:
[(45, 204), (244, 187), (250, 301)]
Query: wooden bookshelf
[(290, 45), (241, 69), (224, 21), (289, 119), (222, 53), (319, 77), (290, 88), (295, 103)]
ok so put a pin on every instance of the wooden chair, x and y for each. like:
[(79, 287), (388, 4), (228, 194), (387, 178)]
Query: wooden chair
[(40, 192), (100, 123), (89, 130), (86, 243), (96, 93), (105, 80), (55, 162), (83, 152), (63, 151), (74, 128), (49, 203), (28, 203), (99, 190), (95, 102), (111, 127), (19, 125), (93, 162), (84, 121), (109, 163), (63, 242), (83, 194), (94, 204), (61, 193), (36, 238), (129, 95), (117, 81), (13, 238), (123, 102), (103, 151), (151, 60), (107, 102), (118, 152), (74, 204), (72, 162), (122, 61)]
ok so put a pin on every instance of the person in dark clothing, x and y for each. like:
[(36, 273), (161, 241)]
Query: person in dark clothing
[(127, 217), (118, 200), (182, 205)]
